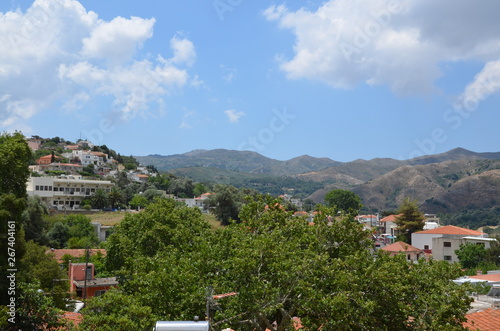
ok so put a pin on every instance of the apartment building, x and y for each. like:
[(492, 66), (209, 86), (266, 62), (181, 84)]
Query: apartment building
[(65, 192)]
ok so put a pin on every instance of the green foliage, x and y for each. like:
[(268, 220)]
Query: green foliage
[(34, 223), (100, 199), (344, 201), (104, 314), (471, 255), (35, 310), (37, 266), (199, 189), (72, 231), (225, 204), (58, 235), (410, 220), (14, 159), (138, 201), (116, 197), (473, 218), (14, 172), (280, 266)]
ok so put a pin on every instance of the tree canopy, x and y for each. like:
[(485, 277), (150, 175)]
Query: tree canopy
[(170, 261), (409, 220), (343, 201)]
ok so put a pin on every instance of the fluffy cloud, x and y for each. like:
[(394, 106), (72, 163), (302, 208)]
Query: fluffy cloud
[(233, 115), (484, 84), (117, 40), (387, 42), (59, 51)]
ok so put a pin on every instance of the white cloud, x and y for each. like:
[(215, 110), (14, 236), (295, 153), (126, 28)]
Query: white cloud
[(485, 83), (233, 115), (387, 42), (184, 52), (59, 51), (229, 73), (118, 39)]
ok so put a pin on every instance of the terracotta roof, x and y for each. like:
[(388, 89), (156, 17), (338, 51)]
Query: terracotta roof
[(486, 320), (390, 218), (452, 230), (59, 253), (400, 246), (490, 277)]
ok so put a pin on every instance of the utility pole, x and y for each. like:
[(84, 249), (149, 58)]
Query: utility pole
[(85, 273)]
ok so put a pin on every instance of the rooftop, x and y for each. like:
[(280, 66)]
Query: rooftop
[(59, 253), (97, 282), (400, 246), (451, 230), (390, 218)]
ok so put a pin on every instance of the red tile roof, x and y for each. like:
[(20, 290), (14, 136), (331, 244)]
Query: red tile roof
[(491, 278), (390, 218), (452, 230), (59, 253), (486, 320), (400, 246)]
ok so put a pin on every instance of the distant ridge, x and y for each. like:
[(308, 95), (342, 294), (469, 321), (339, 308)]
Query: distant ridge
[(447, 182)]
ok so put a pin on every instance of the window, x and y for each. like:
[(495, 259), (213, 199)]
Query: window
[(447, 258), (447, 244), (37, 188), (99, 293), (426, 246)]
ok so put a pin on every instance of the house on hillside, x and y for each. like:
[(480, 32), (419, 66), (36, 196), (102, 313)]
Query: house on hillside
[(82, 281), (68, 168), (412, 253), (442, 242), (47, 159)]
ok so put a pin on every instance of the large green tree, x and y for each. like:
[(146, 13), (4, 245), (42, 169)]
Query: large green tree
[(409, 220), (100, 199), (471, 255), (15, 156), (170, 260), (344, 201), (34, 223)]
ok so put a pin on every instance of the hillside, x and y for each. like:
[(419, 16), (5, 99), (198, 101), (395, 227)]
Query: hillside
[(240, 161), (448, 182), (439, 187)]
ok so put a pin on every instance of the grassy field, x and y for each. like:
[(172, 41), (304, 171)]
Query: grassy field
[(115, 217), (108, 217)]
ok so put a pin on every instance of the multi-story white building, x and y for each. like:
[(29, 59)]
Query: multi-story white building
[(65, 192), (443, 241)]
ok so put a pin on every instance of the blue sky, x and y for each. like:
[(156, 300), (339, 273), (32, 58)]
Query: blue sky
[(343, 79)]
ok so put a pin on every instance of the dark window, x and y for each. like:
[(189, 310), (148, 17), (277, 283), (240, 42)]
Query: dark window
[(447, 258), (426, 246), (447, 244)]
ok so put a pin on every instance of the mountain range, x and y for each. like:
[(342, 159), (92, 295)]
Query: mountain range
[(448, 182)]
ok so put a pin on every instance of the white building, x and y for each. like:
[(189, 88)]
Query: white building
[(87, 157), (65, 192), (442, 242)]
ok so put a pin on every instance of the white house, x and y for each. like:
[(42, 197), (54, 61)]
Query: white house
[(442, 242), (65, 192)]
